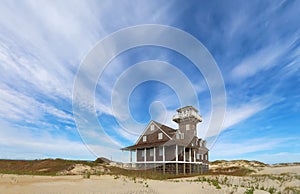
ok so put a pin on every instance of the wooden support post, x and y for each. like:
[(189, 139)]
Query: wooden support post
[(201, 168), (176, 153), (184, 160), (164, 164), (190, 158), (122, 159), (154, 158), (145, 158), (130, 158), (136, 155)]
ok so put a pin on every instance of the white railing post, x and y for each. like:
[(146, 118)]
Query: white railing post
[(184, 154), (176, 153), (154, 154), (164, 157), (145, 155)]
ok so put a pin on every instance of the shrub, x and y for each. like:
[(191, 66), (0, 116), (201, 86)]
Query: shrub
[(249, 191)]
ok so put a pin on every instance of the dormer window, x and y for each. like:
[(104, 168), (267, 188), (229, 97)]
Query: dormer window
[(144, 138), (152, 128), (182, 135), (160, 136)]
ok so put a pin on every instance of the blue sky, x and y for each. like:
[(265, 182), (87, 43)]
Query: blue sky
[(255, 44)]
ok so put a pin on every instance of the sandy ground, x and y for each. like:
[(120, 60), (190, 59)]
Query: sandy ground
[(98, 184), (281, 170), (123, 185)]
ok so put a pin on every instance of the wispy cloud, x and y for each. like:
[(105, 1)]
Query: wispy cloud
[(42, 44), (240, 149)]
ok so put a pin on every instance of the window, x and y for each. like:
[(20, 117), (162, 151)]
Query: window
[(160, 151), (182, 135), (187, 127), (205, 156), (201, 157), (144, 138), (143, 153), (151, 152), (152, 128), (177, 135), (198, 156), (160, 136)]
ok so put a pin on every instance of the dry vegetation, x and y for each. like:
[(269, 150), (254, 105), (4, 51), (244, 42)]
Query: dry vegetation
[(38, 167), (238, 176)]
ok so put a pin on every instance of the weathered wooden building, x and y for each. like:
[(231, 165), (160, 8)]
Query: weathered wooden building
[(168, 150)]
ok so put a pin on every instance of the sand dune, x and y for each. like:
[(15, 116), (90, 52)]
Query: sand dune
[(262, 179)]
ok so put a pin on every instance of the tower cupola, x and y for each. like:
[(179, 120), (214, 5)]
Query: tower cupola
[(187, 119)]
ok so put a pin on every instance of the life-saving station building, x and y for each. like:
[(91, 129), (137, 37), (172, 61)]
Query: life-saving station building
[(168, 150)]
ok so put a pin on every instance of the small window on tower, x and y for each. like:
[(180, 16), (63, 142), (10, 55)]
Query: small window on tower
[(187, 127), (152, 128), (160, 136), (144, 138)]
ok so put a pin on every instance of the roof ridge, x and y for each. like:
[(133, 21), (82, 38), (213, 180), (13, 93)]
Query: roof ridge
[(158, 123)]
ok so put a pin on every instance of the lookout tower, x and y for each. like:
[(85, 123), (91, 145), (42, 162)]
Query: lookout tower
[(187, 119)]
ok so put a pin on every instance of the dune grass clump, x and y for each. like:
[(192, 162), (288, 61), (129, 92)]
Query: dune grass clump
[(249, 191)]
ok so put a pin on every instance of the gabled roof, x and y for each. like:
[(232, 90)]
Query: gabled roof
[(152, 136), (169, 138)]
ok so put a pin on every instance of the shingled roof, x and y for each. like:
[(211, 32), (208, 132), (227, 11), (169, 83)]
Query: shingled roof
[(168, 139)]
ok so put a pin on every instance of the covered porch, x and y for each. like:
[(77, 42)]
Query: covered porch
[(173, 159)]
